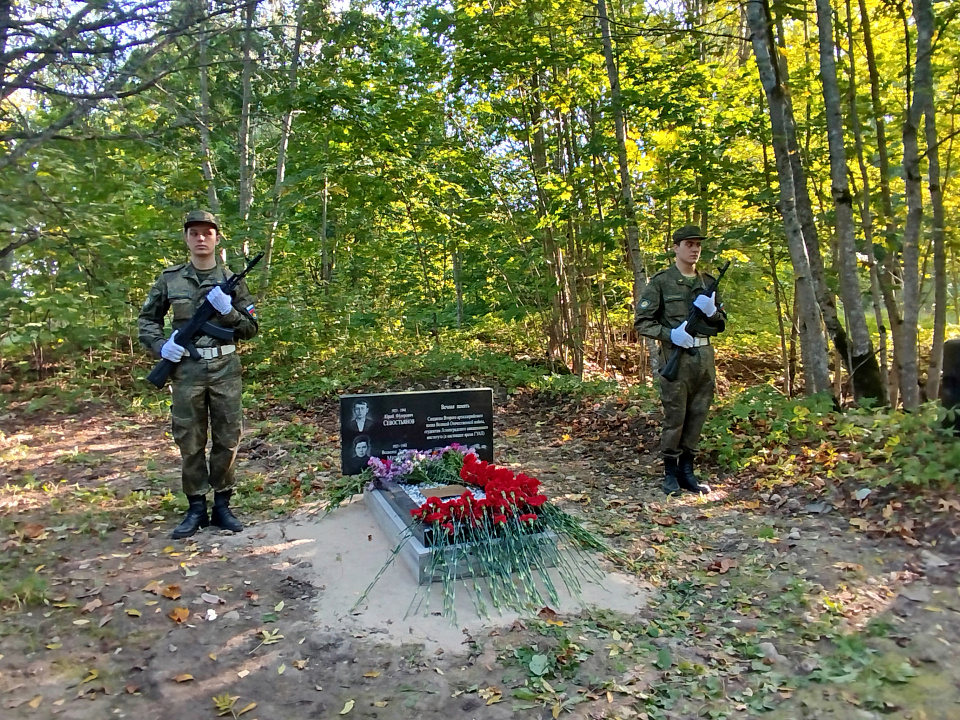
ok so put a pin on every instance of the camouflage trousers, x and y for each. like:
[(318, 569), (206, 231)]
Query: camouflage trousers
[(207, 392), (686, 401)]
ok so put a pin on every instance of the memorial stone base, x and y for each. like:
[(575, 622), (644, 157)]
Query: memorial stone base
[(391, 507)]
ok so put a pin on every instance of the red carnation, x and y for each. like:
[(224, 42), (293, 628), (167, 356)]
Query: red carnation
[(536, 500), (528, 517), (435, 517)]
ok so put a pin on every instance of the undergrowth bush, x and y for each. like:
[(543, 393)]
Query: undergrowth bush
[(806, 437)]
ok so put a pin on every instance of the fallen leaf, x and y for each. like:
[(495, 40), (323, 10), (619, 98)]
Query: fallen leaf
[(187, 572), (247, 709), (35, 703), (179, 615), (372, 674), (278, 607), (154, 586), (212, 599), (91, 675), (81, 622), (243, 673), (130, 689), (183, 677), (547, 613), (212, 656), (282, 669), (299, 664), (848, 566), (380, 703), (511, 432), (104, 620), (722, 565), (347, 707), (172, 592), (32, 531), (133, 612), (665, 520), (91, 606), (860, 523)]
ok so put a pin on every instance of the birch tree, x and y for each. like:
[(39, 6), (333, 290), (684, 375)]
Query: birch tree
[(812, 344), (244, 145), (862, 363), (285, 126)]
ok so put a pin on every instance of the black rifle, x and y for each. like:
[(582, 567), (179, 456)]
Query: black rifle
[(694, 322), (200, 325)]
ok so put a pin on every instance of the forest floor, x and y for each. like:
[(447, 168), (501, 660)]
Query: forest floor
[(763, 598)]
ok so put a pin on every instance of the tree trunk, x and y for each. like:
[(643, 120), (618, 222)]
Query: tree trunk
[(538, 152), (206, 163), (326, 256), (787, 384), (889, 269), (458, 281), (813, 346), (909, 388), (886, 204), (626, 186), (923, 15), (285, 126), (777, 291), (861, 362), (866, 214), (246, 155), (825, 298)]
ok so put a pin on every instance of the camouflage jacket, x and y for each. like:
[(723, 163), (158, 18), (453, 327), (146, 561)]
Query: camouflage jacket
[(666, 303), (179, 288)]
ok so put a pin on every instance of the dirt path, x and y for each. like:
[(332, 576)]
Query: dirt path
[(760, 605)]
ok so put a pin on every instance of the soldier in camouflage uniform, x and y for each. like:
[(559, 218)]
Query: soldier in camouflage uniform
[(205, 390), (662, 314)]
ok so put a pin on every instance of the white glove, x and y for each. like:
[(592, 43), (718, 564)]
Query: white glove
[(680, 337), (171, 351), (707, 304), (220, 300)]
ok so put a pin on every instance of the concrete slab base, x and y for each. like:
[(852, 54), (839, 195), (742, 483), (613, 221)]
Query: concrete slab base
[(342, 553)]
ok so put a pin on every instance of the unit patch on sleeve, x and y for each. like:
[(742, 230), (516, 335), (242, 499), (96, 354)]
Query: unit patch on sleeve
[(252, 311)]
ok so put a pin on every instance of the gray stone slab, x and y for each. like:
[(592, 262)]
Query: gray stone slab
[(419, 558)]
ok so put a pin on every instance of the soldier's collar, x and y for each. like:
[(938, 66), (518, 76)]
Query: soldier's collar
[(191, 271)]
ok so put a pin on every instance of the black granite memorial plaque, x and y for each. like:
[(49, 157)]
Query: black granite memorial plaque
[(383, 424)]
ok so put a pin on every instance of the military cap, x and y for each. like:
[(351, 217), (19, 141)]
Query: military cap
[(201, 216), (687, 232)]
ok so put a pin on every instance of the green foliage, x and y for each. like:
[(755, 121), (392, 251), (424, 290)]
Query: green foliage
[(807, 436), (23, 592)]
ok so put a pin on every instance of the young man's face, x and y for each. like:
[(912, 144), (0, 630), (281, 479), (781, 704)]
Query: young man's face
[(360, 410), (201, 239), (688, 250)]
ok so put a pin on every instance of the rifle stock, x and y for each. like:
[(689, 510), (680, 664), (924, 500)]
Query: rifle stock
[(670, 371), (197, 326)]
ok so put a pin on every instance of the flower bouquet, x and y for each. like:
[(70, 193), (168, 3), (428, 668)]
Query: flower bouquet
[(499, 538)]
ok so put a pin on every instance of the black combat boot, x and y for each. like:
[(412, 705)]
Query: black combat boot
[(195, 518), (221, 515), (688, 478), (670, 484)]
